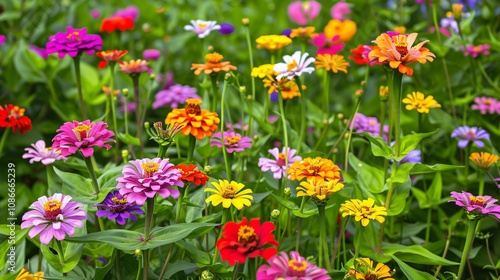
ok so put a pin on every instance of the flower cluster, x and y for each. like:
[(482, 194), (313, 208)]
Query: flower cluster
[(174, 95), (13, 117), (475, 51)]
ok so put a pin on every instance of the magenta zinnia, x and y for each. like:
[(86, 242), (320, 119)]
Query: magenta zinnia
[(145, 178), (233, 142), (73, 42), (477, 205), (53, 217), (295, 267), (83, 136)]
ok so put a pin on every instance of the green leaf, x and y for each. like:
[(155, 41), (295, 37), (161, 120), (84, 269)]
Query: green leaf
[(108, 179), (178, 266), (415, 254), (412, 273), (200, 256), (79, 187), (72, 254), (410, 143), (285, 202), (399, 197), (166, 235), (29, 65), (6, 246), (129, 139), (120, 239), (432, 197), (379, 146), (369, 177), (423, 168)]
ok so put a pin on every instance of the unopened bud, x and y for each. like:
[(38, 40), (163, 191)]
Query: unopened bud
[(245, 21), (384, 93), (255, 137), (227, 76), (457, 10), (363, 82), (249, 97), (207, 275), (125, 91), (346, 135), (325, 121), (146, 27), (152, 76), (243, 89), (210, 48), (207, 168), (137, 252), (335, 150), (275, 214), (124, 153), (359, 92), (287, 192), (340, 116), (146, 125)]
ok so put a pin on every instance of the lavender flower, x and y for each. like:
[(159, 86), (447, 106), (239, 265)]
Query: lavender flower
[(115, 206), (469, 3), (277, 165), (42, 153), (486, 105), (362, 123), (233, 142), (294, 267), (53, 217), (73, 42), (174, 95), (477, 205), (467, 134), (226, 28), (414, 156), (130, 11)]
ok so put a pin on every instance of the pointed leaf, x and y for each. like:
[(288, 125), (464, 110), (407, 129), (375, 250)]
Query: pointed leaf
[(412, 273), (410, 143), (369, 177), (379, 146), (423, 168)]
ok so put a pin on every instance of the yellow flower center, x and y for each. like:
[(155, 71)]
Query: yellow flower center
[(52, 209), (214, 57), (73, 36), (246, 235), (193, 106), (297, 266), (16, 112), (229, 192), (81, 131), (150, 168), (202, 25), (479, 201), (233, 140), (117, 200), (290, 66), (119, 205)]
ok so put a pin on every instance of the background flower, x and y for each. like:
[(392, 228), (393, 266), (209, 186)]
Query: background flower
[(277, 166), (233, 142), (73, 42), (303, 12), (174, 95), (363, 211), (202, 27), (116, 207), (13, 117), (467, 134), (41, 153), (294, 267)]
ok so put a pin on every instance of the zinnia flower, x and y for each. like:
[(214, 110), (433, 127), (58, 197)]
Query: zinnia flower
[(134, 66), (344, 29), (202, 27), (233, 142), (360, 54), (475, 51), (41, 153), (364, 269), (478, 206), (264, 70), (340, 10), (144, 178), (116, 23), (24, 274), (229, 194), (289, 89), (273, 42), (226, 28), (115, 206), (397, 51), (319, 168), (362, 123), (278, 165), (213, 65), (303, 12), (294, 65), (13, 116), (129, 12), (486, 105), (73, 42), (82, 136), (151, 54), (303, 32), (334, 63), (193, 120), (363, 211), (467, 134), (189, 174), (294, 267), (319, 189), (53, 217), (174, 95), (327, 45), (417, 100), (109, 56), (247, 240), (483, 160)]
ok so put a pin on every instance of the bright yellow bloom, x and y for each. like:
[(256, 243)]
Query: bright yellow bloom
[(364, 269), (344, 29), (334, 63), (213, 64), (383, 92), (273, 42), (363, 211), (304, 32), (398, 51), (193, 119), (483, 160), (457, 10), (417, 100), (25, 275), (229, 194), (319, 168), (319, 189), (265, 70)]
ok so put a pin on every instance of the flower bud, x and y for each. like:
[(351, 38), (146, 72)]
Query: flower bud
[(207, 275), (227, 76), (275, 214), (457, 10), (137, 252), (243, 89), (384, 93), (245, 21), (125, 91), (146, 125), (287, 192), (359, 92), (152, 76), (207, 168), (340, 116)]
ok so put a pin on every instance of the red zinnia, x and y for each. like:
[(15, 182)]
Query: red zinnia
[(242, 240), (360, 54), (13, 116), (108, 56), (121, 23), (189, 174)]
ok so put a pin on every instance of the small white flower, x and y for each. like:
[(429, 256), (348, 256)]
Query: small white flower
[(294, 65), (202, 27)]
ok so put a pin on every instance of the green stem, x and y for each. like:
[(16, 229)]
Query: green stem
[(60, 253), (165, 265), (125, 114), (351, 127), (179, 207), (326, 92), (4, 139), (323, 236), (222, 223), (285, 133), (235, 273), (468, 243), (93, 177), (395, 95), (252, 79), (112, 97), (428, 229), (303, 121), (215, 91), (358, 243), (223, 140), (383, 108), (481, 182), (466, 160), (150, 206), (137, 100), (76, 61), (191, 145), (487, 78)]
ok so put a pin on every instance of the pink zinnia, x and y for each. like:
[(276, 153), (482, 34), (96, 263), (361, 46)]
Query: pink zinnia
[(42, 153), (82, 136), (486, 105), (479, 205), (145, 178), (134, 66), (53, 217), (339, 10), (326, 45), (294, 268), (303, 12), (475, 51), (277, 165), (73, 42), (232, 141)]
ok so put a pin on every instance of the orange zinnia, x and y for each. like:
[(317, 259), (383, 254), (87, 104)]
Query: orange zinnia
[(213, 64), (191, 174), (289, 89), (398, 51), (109, 56), (194, 120), (319, 168)]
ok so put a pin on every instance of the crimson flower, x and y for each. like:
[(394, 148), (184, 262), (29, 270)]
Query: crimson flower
[(109, 56), (121, 23), (191, 175), (13, 116)]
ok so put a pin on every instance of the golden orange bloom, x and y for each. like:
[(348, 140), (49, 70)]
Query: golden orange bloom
[(331, 62), (483, 160), (398, 51), (26, 275), (264, 70), (212, 65), (344, 29), (319, 189), (417, 100), (319, 168), (457, 10), (289, 89), (303, 32), (364, 269), (273, 42), (194, 120)]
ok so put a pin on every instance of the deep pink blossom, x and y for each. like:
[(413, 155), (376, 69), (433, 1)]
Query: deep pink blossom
[(326, 45), (73, 42), (294, 267), (303, 12), (129, 12), (277, 165), (151, 54), (340, 10), (486, 105), (43, 154), (478, 205), (232, 141), (475, 51)]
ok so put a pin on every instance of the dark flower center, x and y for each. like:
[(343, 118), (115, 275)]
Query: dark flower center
[(247, 236), (281, 159), (229, 192), (193, 109), (370, 276), (52, 209), (120, 204), (478, 201)]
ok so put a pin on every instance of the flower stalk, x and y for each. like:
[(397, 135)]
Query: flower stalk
[(76, 61), (468, 244)]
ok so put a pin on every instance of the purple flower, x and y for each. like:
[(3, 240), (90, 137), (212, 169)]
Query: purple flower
[(95, 13), (303, 12), (286, 32), (144, 178), (40, 51), (73, 42), (414, 156), (362, 123), (232, 141), (167, 79), (274, 96), (294, 268), (478, 205), (42, 153), (115, 206), (486, 105), (475, 51), (130, 105), (174, 95), (239, 125), (277, 165), (130, 11), (2, 39), (53, 217), (469, 3), (467, 134), (82, 136), (340, 10), (226, 28), (151, 54)]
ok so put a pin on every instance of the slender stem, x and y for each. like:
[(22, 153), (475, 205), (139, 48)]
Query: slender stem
[(191, 145), (165, 265), (323, 235), (297, 236), (487, 78), (179, 207), (396, 108), (303, 121), (215, 91), (118, 268), (466, 163), (326, 92), (222, 223), (481, 182), (112, 96), (223, 140), (60, 253), (358, 243), (150, 206), (138, 269), (4, 139), (125, 113), (383, 109), (235, 273), (489, 255), (137, 100), (76, 61), (252, 80), (468, 243), (145, 102), (93, 177), (428, 229), (285, 133), (351, 127), (446, 247)]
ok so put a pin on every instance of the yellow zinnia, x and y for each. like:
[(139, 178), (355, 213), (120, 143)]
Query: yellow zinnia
[(320, 168), (303, 32), (319, 189), (363, 211), (334, 63), (483, 160), (264, 70), (417, 100), (26, 275), (229, 194), (344, 29), (363, 269), (273, 42)]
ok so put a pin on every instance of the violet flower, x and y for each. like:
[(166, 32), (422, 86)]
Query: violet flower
[(82, 136), (151, 54), (486, 105), (53, 217), (144, 178), (414, 156), (233, 142), (226, 29), (115, 206), (73, 42), (277, 165), (95, 13), (362, 123), (477, 205), (43, 154), (294, 267), (174, 95), (467, 134)]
